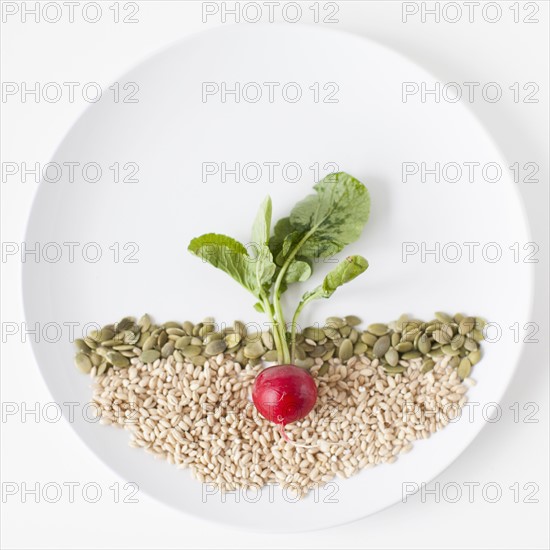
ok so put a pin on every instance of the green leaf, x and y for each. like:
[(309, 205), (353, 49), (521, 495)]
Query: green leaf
[(262, 224), (228, 255), (298, 272), (264, 267), (334, 217), (343, 273)]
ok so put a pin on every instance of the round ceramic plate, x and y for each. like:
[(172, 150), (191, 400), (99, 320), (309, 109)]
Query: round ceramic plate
[(309, 102)]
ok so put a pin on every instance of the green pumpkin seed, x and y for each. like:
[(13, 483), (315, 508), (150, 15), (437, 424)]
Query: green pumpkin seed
[(188, 328), (96, 359), (346, 350), (123, 347), (441, 336), (306, 363), (480, 323), (144, 322), (352, 320), (395, 339), (403, 347), (215, 347), (195, 341), (323, 370), (124, 324), (149, 356), (477, 335), (190, 350), (254, 350), (178, 356), (435, 352), (117, 359), (314, 333), (378, 329), (394, 370), (167, 349), (110, 343), (182, 342), (392, 357), (233, 340), (466, 325), (381, 346), (448, 350), (318, 351), (198, 360), (331, 332), (83, 363), (102, 368), (424, 345), (353, 336), (150, 343), (329, 354), (443, 317), (454, 362), (240, 328), (300, 353), (458, 317), (345, 331), (335, 322), (464, 368), (359, 348), (267, 340), (458, 341), (474, 357), (271, 355), (411, 355), (175, 330), (470, 344), (427, 366), (81, 345), (369, 339), (239, 357)]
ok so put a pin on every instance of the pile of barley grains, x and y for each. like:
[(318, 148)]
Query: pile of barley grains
[(202, 418)]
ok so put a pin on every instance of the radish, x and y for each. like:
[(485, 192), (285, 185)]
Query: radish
[(284, 394), (318, 227)]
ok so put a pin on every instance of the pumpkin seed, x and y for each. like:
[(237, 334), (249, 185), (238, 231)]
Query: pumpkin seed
[(454, 361), (175, 330), (198, 360), (427, 366), (102, 368), (110, 343), (82, 346), (458, 317), (345, 331), (331, 332), (117, 359), (233, 340), (254, 350), (96, 359), (395, 339), (478, 335), (368, 338), (352, 320), (480, 323), (464, 368), (144, 322), (178, 356), (123, 347), (314, 333), (448, 350), (474, 357), (443, 317), (123, 324), (195, 341), (411, 355), (378, 329), (149, 356), (150, 343), (424, 344), (182, 342), (191, 351), (441, 337), (470, 344), (329, 354), (381, 346), (353, 336), (271, 355), (267, 340), (300, 353), (167, 349), (392, 357), (318, 351), (458, 341), (359, 348), (403, 347), (394, 370), (188, 328), (83, 363), (323, 370), (215, 347), (335, 322), (240, 328), (307, 363), (466, 325), (346, 350)]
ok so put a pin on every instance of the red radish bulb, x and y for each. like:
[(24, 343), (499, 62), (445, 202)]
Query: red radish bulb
[(284, 394)]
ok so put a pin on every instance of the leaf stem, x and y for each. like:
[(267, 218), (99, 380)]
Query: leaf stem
[(276, 331)]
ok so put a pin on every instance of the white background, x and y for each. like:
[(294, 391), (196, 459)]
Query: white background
[(506, 452)]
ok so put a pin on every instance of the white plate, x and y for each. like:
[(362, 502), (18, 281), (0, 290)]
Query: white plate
[(368, 133)]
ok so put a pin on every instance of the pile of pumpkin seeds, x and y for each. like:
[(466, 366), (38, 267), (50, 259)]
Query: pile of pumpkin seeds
[(393, 344)]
